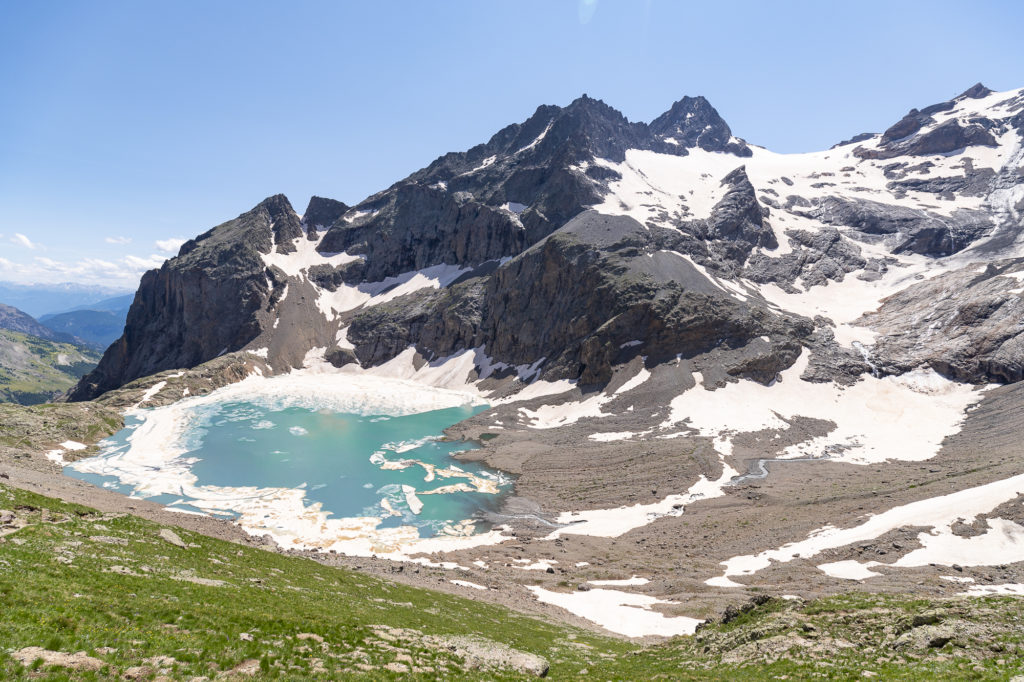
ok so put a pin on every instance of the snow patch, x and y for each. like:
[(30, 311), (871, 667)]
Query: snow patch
[(904, 418), (1003, 543), (624, 613)]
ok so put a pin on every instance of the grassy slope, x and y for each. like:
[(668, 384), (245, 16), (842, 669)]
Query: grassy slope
[(33, 370), (35, 428), (73, 581)]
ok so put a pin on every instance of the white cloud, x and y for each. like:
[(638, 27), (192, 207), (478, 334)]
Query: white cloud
[(19, 238), (153, 261), (170, 245), (118, 240), (586, 10), (120, 273)]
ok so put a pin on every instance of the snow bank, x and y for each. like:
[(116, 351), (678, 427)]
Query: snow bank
[(903, 418), (611, 523), (622, 612), (1002, 543)]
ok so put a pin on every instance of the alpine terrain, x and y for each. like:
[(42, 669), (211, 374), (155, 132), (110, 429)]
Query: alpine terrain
[(714, 372)]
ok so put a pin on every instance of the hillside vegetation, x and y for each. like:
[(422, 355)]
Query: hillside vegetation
[(35, 370), (95, 597)]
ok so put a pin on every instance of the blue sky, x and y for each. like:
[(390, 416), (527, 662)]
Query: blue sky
[(125, 124)]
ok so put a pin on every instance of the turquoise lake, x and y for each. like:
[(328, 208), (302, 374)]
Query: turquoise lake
[(338, 459)]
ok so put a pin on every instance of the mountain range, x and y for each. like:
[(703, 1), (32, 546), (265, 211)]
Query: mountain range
[(566, 239), (713, 370)]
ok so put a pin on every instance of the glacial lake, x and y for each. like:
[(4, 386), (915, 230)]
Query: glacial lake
[(239, 459)]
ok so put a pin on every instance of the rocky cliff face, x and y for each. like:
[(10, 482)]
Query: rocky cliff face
[(212, 299), (577, 241)]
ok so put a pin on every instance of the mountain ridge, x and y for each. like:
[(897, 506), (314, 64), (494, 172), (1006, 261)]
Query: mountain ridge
[(718, 375), (474, 210)]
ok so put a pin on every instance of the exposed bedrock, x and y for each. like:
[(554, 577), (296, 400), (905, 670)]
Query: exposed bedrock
[(416, 227), (201, 304), (905, 137), (738, 217), (693, 122), (816, 258), (592, 295), (503, 196), (942, 139), (321, 213), (547, 279), (967, 325), (909, 229)]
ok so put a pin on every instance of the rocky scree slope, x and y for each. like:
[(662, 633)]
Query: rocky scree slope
[(577, 240)]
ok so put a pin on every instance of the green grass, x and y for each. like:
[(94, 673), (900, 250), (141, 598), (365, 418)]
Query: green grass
[(33, 370), (73, 580), (26, 428)]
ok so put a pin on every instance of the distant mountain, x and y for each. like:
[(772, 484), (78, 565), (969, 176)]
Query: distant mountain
[(16, 320), (35, 370), (116, 304), (97, 324), (40, 299), (97, 328)]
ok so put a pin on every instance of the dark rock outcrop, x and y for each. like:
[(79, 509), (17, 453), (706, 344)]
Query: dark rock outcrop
[(201, 304), (816, 258), (583, 298), (528, 180), (945, 138), (904, 138), (546, 282), (693, 122), (966, 325), (417, 226), (976, 91), (738, 218), (912, 230), (321, 213)]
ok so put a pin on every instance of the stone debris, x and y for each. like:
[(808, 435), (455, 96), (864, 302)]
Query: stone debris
[(246, 668), (108, 540), (172, 537), (76, 661), (138, 672), (484, 653)]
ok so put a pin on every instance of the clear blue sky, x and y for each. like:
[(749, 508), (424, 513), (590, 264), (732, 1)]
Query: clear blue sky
[(156, 120)]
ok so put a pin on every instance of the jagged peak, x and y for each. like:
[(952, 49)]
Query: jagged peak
[(276, 205), (320, 208), (585, 101), (694, 122), (321, 213), (736, 177), (976, 91)]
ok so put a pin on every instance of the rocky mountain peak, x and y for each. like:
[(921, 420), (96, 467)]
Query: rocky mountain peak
[(272, 221), (588, 126), (482, 225), (976, 91), (321, 213), (940, 128), (693, 122), (284, 221), (738, 217)]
